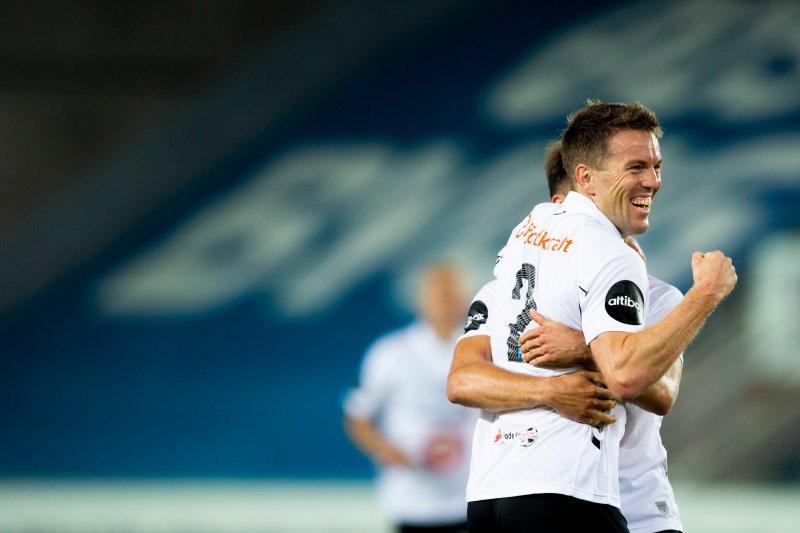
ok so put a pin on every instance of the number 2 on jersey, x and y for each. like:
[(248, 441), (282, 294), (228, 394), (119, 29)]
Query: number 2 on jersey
[(527, 272)]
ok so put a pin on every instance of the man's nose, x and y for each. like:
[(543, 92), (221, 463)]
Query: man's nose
[(652, 179)]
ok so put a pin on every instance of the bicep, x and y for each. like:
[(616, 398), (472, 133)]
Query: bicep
[(471, 350), (672, 379), (659, 397)]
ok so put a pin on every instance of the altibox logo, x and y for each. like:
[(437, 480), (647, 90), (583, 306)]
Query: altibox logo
[(624, 302)]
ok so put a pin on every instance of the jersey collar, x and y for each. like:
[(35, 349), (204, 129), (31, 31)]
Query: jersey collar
[(578, 203)]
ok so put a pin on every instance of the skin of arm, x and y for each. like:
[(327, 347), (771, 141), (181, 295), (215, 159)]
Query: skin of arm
[(659, 397), (367, 438), (554, 345), (475, 381), (631, 362)]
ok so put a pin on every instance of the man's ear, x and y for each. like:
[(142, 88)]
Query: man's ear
[(585, 179)]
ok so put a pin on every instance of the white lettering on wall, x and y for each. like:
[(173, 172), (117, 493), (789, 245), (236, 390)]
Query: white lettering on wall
[(730, 59), (319, 219)]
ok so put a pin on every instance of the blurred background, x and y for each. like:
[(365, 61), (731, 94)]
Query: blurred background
[(209, 209)]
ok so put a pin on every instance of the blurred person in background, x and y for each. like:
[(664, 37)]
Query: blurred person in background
[(400, 418)]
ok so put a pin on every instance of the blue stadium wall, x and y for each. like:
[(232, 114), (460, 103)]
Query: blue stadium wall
[(217, 340)]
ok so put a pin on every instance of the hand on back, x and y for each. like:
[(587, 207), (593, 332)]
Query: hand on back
[(553, 345)]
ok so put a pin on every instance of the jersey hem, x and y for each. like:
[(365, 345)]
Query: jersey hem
[(510, 492), (655, 524)]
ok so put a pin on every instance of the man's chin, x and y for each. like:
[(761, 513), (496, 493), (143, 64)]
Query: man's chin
[(638, 229)]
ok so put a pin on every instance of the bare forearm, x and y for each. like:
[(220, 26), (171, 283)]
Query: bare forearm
[(368, 439), (659, 397), (475, 381), (486, 386), (633, 362)]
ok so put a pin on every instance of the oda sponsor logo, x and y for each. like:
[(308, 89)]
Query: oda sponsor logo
[(528, 437), (625, 303), (525, 437)]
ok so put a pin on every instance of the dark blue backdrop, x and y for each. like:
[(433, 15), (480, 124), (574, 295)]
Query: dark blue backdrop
[(243, 390)]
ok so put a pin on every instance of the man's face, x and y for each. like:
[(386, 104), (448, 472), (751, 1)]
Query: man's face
[(442, 297), (624, 189)]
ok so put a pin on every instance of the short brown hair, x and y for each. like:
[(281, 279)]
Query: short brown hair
[(589, 130), (557, 180)]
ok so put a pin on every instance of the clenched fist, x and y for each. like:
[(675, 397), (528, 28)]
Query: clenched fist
[(713, 274)]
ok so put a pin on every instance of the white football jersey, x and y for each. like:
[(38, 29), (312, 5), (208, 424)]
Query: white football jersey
[(648, 502), (570, 263), (402, 388)]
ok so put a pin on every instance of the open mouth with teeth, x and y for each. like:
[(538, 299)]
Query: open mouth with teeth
[(643, 203)]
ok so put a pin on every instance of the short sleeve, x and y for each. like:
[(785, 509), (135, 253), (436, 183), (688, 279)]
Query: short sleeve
[(479, 313), (614, 292), (374, 384)]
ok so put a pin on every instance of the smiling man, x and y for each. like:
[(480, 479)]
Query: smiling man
[(532, 468)]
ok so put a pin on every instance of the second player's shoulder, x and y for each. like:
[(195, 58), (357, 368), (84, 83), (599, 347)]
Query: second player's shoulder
[(663, 299), (661, 290)]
